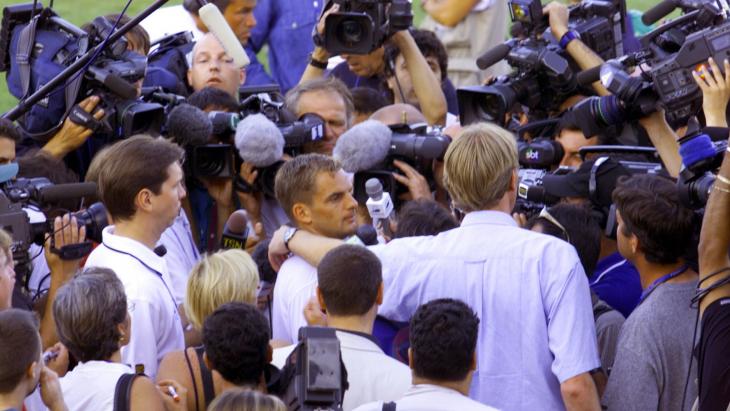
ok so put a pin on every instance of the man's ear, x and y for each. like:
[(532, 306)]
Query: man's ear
[(320, 298), (143, 199), (243, 76), (269, 353), (473, 365), (513, 181), (634, 242), (206, 361), (190, 75), (31, 372), (302, 213), (379, 297), (410, 357)]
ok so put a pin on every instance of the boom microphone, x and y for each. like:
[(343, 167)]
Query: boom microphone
[(235, 232), (658, 12), (363, 146), (189, 126), (588, 77), (216, 24), (62, 192), (493, 56), (259, 141)]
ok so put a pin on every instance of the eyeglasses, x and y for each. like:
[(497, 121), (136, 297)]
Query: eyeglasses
[(544, 213)]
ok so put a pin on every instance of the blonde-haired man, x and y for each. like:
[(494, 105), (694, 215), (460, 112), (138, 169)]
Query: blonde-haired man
[(536, 342)]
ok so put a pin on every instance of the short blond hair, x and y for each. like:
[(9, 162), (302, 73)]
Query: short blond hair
[(6, 243), (479, 165), (223, 277)]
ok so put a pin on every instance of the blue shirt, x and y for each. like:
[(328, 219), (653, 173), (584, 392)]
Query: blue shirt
[(256, 75), (529, 290), (286, 25), (617, 282)]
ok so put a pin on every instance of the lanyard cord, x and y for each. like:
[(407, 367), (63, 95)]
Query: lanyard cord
[(661, 280)]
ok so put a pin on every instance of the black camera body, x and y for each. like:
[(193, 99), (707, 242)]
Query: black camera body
[(362, 26)]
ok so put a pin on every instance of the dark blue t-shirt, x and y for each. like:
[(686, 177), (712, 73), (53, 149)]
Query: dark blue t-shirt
[(617, 282)]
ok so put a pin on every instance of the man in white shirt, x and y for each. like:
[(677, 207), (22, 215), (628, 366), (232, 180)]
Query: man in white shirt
[(316, 194), (443, 336), (537, 342), (350, 288), (141, 185)]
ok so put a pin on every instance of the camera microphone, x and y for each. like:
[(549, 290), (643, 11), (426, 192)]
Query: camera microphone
[(115, 83), (658, 12), (587, 77), (259, 141), (189, 126), (216, 24), (493, 56), (61, 192), (364, 146), (235, 232)]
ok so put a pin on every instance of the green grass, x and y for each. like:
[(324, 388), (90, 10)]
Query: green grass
[(80, 11)]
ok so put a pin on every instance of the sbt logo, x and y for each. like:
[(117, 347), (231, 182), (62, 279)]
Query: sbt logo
[(532, 154)]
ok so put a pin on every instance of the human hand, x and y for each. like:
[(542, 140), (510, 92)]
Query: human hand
[(323, 18), (58, 362), (715, 91), (255, 238), (174, 395), (278, 253), (558, 16), (51, 393), (72, 135), (313, 313), (66, 231), (220, 188), (417, 184), (520, 219)]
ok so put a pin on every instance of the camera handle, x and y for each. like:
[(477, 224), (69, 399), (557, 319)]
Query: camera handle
[(25, 104)]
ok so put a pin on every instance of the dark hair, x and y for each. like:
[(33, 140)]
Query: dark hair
[(423, 217), (213, 98), (428, 44), (367, 100), (443, 335), (9, 130), (650, 209), (349, 277), (137, 34), (137, 163), (20, 346), (192, 6), (39, 163), (582, 228), (236, 340), (87, 311)]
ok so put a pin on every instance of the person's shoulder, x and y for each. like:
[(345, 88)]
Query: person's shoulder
[(371, 406), (295, 264)]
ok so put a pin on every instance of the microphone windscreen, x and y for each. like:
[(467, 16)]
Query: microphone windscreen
[(368, 234), (216, 24), (259, 140), (587, 77), (658, 12), (120, 87), (363, 146), (189, 125), (237, 222), (61, 192), (493, 56)]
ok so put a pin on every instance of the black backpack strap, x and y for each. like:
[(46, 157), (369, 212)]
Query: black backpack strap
[(207, 376), (192, 378), (122, 392), (389, 406), (24, 52)]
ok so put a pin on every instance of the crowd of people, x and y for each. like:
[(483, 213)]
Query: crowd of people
[(205, 292)]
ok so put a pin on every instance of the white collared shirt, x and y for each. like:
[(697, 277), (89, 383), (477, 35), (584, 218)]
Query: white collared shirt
[(295, 285), (181, 254), (372, 375), (156, 326), (529, 290), (91, 385), (426, 397)]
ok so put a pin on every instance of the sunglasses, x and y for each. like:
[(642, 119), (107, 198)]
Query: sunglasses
[(544, 213)]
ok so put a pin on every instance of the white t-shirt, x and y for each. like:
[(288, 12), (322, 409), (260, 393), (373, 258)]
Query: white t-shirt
[(156, 326), (90, 385), (425, 397), (295, 285), (372, 375)]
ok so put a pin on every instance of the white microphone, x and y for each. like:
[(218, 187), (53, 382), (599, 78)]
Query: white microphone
[(380, 207), (216, 24)]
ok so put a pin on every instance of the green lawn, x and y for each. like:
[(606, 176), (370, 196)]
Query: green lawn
[(81, 11)]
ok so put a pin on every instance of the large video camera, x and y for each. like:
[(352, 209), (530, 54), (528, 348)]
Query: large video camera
[(701, 158), (36, 45), (543, 75), (362, 26)]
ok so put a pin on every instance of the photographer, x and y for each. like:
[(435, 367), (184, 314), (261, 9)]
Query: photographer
[(554, 324)]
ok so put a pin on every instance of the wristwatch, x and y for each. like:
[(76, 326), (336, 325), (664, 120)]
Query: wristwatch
[(322, 65), (288, 234), (569, 36)]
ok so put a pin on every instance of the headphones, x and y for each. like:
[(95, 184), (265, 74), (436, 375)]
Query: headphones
[(604, 215)]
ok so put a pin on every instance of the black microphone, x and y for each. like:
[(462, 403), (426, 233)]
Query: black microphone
[(588, 77), (189, 126), (658, 12), (113, 82), (235, 232), (160, 250), (493, 56), (367, 234), (61, 192)]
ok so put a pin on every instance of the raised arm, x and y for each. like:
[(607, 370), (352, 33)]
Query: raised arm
[(448, 12), (310, 247)]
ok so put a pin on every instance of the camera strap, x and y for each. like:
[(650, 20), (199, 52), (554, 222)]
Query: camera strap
[(25, 50)]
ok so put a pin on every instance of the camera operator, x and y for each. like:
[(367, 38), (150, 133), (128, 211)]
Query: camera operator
[(480, 173), (654, 231), (315, 193), (142, 186), (351, 307), (442, 357), (368, 71)]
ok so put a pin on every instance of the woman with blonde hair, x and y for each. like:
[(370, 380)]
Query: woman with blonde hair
[(223, 277)]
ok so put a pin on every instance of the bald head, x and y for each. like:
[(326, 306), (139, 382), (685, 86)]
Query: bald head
[(398, 114), (212, 67)]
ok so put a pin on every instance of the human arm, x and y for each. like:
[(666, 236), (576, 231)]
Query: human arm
[(583, 55), (174, 367), (144, 395), (174, 395), (448, 12), (319, 53), (579, 393), (428, 90), (71, 135), (66, 232), (310, 247), (221, 189), (664, 140), (51, 392), (715, 92)]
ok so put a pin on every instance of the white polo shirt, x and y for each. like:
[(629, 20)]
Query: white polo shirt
[(295, 284), (372, 375), (426, 397), (181, 256), (156, 326), (529, 290), (91, 385)]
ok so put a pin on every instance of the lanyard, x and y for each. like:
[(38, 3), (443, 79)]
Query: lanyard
[(661, 280)]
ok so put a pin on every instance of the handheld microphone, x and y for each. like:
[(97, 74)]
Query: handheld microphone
[(235, 232), (493, 56), (380, 207), (259, 141), (363, 146), (189, 126), (216, 24)]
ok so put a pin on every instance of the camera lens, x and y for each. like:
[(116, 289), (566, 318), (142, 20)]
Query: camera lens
[(209, 163), (351, 31)]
